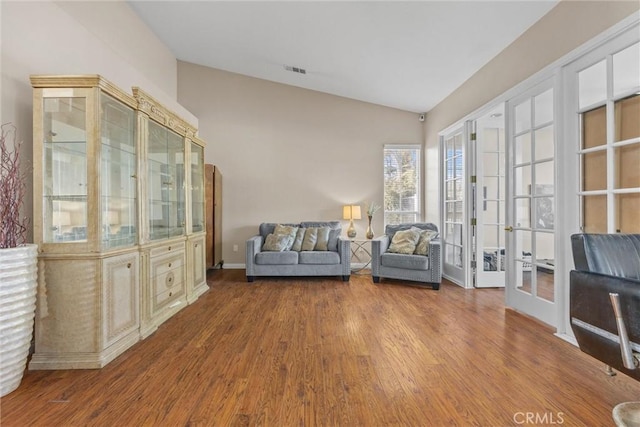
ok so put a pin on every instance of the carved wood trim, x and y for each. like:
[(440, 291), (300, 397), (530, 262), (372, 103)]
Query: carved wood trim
[(83, 81), (158, 112), (140, 100), (198, 141)]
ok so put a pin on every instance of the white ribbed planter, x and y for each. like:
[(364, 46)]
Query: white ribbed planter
[(18, 283)]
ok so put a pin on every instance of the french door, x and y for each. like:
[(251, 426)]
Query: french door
[(605, 88), (489, 199), (453, 231), (531, 248), (602, 140)]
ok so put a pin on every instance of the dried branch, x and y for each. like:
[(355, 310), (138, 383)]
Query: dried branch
[(13, 184)]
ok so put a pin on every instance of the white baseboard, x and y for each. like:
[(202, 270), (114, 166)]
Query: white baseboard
[(229, 266), (568, 338), (244, 266)]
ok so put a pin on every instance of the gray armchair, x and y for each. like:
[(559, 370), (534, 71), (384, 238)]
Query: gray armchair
[(417, 268)]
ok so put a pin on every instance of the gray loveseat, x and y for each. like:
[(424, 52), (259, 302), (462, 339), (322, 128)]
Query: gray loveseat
[(419, 268), (335, 260)]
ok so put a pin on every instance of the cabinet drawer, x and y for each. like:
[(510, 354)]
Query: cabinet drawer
[(167, 275), (168, 280), (167, 249), (167, 296), (167, 287), (165, 264)]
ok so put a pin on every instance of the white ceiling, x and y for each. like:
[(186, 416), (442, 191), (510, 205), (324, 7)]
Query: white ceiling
[(403, 54)]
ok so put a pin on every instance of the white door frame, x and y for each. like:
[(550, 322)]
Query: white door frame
[(495, 119), (516, 298), (566, 205), (617, 38), (459, 276)]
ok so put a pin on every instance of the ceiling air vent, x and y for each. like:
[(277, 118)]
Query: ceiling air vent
[(295, 69)]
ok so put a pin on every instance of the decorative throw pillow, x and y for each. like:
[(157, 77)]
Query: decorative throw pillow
[(334, 234), (310, 238), (297, 242), (404, 242), (287, 230), (422, 248), (276, 242), (323, 239)]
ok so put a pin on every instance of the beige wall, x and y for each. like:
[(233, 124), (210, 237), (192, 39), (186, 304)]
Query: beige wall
[(564, 28), (333, 144), (289, 154), (104, 38)]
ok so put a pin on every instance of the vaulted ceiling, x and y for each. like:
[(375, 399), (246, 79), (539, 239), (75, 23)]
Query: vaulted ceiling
[(403, 54)]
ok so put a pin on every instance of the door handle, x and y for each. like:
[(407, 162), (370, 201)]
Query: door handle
[(509, 229)]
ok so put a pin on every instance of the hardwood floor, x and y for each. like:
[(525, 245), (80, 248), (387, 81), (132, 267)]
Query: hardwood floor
[(545, 286), (321, 352)]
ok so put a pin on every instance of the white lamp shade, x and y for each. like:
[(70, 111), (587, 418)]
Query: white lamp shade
[(351, 212), (355, 212)]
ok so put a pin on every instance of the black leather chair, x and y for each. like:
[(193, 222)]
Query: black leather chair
[(607, 264)]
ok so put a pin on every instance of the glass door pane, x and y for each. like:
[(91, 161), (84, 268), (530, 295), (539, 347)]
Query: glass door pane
[(531, 244), (197, 188), (65, 170), (166, 183), (159, 180), (610, 144), (490, 199), (176, 186), (453, 216), (118, 173)]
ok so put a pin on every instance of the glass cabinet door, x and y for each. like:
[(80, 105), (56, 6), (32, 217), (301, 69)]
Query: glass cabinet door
[(118, 173), (65, 169), (197, 187), (165, 157), (177, 212)]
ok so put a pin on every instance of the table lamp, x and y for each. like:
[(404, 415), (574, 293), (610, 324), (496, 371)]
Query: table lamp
[(351, 212)]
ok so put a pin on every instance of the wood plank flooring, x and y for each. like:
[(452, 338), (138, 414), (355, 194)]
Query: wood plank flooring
[(321, 352)]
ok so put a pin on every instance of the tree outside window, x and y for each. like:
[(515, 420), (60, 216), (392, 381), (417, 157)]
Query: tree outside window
[(401, 184)]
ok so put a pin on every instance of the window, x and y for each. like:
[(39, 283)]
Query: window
[(453, 201), (609, 107), (401, 183)]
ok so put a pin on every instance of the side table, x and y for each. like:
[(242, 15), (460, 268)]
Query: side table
[(358, 246)]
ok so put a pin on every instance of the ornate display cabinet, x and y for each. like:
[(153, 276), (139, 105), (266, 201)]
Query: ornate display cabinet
[(170, 249), (86, 216), (117, 216)]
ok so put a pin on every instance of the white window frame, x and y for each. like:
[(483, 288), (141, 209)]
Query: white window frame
[(604, 53), (418, 169)]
